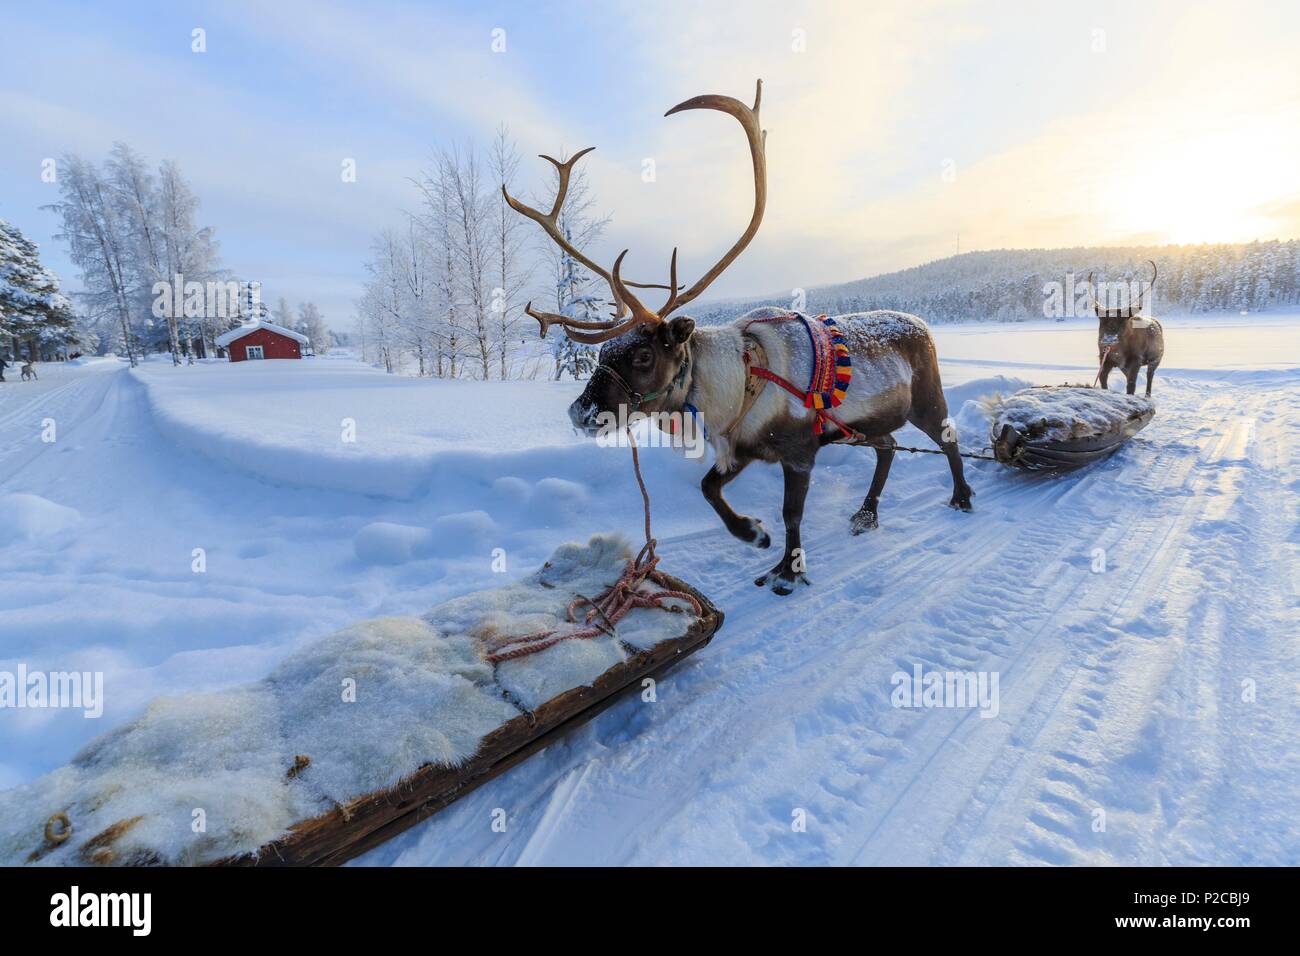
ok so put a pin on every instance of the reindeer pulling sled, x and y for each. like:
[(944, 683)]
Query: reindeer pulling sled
[(289, 771)]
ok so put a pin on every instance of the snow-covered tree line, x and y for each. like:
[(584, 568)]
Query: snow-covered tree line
[(307, 320), (1009, 284), (36, 319), (445, 291), (129, 227)]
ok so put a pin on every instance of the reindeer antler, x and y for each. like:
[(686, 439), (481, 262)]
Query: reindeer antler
[(625, 300), (550, 223), (1150, 287), (757, 137)]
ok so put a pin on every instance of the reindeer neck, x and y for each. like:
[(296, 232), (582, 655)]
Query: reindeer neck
[(715, 380)]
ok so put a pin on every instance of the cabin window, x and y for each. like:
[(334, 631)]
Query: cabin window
[(253, 352)]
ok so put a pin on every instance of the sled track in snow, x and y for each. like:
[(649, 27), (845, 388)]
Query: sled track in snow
[(1008, 589)]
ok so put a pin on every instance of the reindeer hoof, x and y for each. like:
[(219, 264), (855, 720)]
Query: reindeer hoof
[(757, 535), (864, 520), (782, 583), (961, 500)]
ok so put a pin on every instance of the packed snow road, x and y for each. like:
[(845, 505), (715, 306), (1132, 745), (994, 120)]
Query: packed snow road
[(1138, 616), (1146, 712)]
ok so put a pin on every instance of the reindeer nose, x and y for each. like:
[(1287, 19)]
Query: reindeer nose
[(582, 413)]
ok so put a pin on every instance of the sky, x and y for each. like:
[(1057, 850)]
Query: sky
[(898, 133)]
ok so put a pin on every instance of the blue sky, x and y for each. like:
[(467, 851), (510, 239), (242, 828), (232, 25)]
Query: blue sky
[(1177, 122)]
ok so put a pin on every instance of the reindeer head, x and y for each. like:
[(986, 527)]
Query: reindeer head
[(1113, 321), (645, 360)]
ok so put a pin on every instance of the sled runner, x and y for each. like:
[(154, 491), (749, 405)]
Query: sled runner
[(1064, 426), (364, 733)]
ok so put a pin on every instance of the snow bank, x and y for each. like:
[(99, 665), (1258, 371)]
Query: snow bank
[(1064, 412), (968, 405), (344, 426), (26, 517), (369, 705)]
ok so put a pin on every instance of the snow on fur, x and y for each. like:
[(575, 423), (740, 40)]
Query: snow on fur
[(423, 695), (1064, 412)]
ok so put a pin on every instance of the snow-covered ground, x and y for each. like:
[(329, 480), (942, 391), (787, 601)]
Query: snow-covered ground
[(1159, 690)]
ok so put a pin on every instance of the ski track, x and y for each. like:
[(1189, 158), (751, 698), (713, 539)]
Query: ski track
[(1156, 696)]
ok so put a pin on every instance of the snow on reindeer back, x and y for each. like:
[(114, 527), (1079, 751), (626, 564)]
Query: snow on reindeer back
[(1064, 412), (202, 777)]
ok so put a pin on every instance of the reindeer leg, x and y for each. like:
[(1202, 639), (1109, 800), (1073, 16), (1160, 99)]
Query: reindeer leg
[(745, 528), (1151, 372), (1131, 376), (932, 425), (866, 517), (789, 571), (1106, 366)]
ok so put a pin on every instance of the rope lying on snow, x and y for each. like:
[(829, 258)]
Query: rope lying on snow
[(880, 443), (611, 605)]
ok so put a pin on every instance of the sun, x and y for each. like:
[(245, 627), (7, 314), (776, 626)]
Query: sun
[(1207, 187)]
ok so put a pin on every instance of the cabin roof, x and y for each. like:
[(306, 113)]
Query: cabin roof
[(226, 338)]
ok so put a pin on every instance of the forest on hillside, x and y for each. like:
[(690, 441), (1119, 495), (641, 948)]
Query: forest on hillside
[(1015, 284)]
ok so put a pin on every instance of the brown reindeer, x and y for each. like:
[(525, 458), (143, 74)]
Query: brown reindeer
[(651, 363), (1127, 340)]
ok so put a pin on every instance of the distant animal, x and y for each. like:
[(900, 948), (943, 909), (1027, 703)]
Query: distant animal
[(1126, 340), (666, 367), (28, 372)]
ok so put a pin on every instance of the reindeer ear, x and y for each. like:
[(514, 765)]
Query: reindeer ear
[(680, 329)]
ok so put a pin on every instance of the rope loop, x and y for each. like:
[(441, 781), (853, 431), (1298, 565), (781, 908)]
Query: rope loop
[(609, 607), (60, 835)]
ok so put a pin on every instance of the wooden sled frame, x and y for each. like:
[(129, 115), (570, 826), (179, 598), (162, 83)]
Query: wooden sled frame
[(1039, 455), (367, 821)]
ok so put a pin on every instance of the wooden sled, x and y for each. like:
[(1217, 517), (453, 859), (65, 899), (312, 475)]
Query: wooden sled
[(1021, 446), (366, 822)]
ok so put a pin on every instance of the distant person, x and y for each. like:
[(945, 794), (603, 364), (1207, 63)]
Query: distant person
[(3, 365)]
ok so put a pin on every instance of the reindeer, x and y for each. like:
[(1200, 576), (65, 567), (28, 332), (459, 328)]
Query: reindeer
[(1127, 340), (652, 362), (28, 371)]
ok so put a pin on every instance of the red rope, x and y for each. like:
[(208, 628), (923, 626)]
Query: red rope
[(612, 604), (1101, 365), (820, 414)]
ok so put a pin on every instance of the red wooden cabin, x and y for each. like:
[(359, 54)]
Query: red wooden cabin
[(262, 340)]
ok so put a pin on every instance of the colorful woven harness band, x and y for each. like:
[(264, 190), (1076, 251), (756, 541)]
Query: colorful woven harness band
[(832, 369)]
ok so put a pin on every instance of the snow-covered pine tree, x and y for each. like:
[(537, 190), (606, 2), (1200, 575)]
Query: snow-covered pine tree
[(36, 319), (574, 298)]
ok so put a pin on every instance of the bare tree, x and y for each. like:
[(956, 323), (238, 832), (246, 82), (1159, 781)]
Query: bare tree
[(188, 250), (312, 324), (98, 244), (469, 211), (135, 194), (510, 269)]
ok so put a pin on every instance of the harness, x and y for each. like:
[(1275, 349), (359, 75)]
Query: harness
[(832, 372), (828, 383), (638, 399)]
